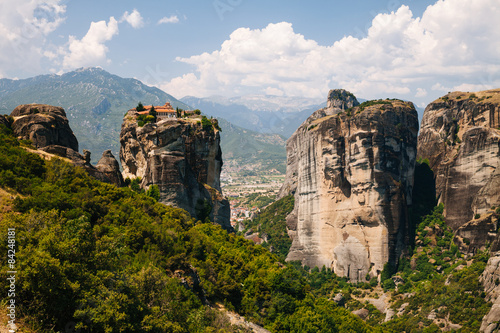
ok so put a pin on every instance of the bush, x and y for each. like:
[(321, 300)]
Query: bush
[(388, 284), (207, 124)]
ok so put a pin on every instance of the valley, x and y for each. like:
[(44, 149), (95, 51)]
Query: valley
[(287, 253)]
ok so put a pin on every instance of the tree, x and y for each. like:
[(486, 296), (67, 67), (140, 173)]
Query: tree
[(153, 113), (197, 112), (154, 192), (140, 107)]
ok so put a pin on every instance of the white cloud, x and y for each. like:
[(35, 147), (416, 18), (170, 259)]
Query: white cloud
[(455, 42), (170, 19), (134, 19), (421, 92), (91, 49), (24, 26)]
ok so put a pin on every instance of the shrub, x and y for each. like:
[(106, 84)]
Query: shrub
[(388, 284), (476, 216), (206, 124)]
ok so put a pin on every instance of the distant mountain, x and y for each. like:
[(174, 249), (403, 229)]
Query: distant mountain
[(95, 102), (250, 149), (260, 113)]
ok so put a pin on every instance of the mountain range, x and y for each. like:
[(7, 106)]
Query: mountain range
[(260, 113), (95, 102)]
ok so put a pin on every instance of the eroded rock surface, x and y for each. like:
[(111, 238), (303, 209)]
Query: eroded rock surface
[(48, 129), (180, 156), (351, 169), (460, 136), (44, 125), (491, 283), (109, 166)]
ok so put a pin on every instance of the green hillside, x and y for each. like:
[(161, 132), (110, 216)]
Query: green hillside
[(245, 147)]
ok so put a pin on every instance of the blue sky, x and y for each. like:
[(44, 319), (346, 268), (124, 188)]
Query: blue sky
[(411, 49)]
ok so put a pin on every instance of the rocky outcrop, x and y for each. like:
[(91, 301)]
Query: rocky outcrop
[(181, 156), (48, 129), (337, 101), (491, 283), (460, 136), (44, 125), (109, 166), (351, 169)]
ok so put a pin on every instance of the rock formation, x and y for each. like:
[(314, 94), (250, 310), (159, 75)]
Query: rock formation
[(490, 280), (460, 137), (47, 128), (44, 125), (181, 156), (109, 166), (351, 168)]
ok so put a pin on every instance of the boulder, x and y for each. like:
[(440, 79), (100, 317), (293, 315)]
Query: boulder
[(109, 166), (44, 125)]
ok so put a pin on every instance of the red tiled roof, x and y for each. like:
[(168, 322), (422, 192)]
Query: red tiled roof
[(167, 108)]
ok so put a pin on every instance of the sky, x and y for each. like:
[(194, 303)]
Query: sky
[(416, 50)]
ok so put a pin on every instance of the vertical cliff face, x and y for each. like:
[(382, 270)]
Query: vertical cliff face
[(351, 169), (181, 156), (460, 136), (489, 279)]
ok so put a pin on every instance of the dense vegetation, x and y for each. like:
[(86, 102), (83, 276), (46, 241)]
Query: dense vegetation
[(271, 224), (437, 285), (94, 257)]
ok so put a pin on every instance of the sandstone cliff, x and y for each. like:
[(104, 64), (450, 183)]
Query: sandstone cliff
[(490, 280), (109, 166), (460, 137), (48, 129), (351, 169), (181, 156), (44, 125)]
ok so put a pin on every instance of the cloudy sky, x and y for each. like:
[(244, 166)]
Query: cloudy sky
[(411, 49)]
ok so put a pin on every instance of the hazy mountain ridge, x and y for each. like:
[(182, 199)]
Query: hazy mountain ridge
[(95, 101), (258, 113), (245, 147)]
